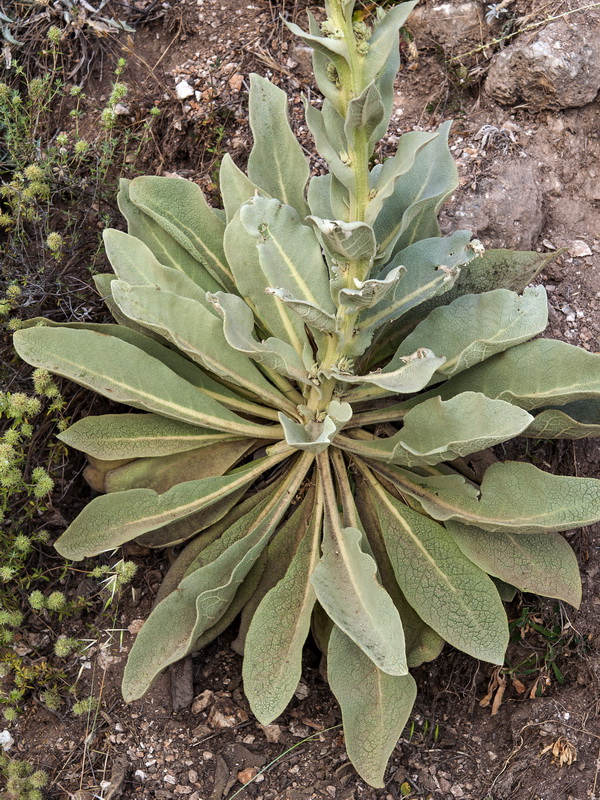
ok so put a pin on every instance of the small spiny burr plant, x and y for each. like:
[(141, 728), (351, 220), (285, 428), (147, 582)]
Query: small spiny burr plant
[(311, 366)]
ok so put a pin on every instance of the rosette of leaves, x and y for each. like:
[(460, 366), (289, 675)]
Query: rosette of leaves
[(311, 366)]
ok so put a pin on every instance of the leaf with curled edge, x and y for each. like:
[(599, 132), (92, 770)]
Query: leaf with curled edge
[(541, 563), (365, 113), (513, 497), (273, 645), (369, 293), (238, 327), (204, 595), (533, 375), (316, 436), (475, 327), (353, 241), (450, 593), (375, 705), (314, 316), (577, 420), (414, 374), (434, 431), (276, 163)]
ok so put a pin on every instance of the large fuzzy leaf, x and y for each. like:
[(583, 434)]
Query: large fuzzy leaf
[(475, 327), (542, 563), (576, 420), (346, 584), (436, 431), (236, 188), (422, 642), (120, 436), (123, 372), (273, 316), (385, 177), (409, 214), (432, 268), (496, 269), (447, 590), (289, 253), (178, 622), (531, 375), (198, 333), (165, 248), (110, 520), (375, 706), (279, 627), (134, 263), (514, 497), (276, 163), (238, 327), (180, 208)]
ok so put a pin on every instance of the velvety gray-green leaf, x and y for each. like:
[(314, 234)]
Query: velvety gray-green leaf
[(198, 333), (409, 214), (277, 163), (541, 563), (447, 590), (134, 263), (531, 375), (385, 39), (375, 706), (475, 327), (110, 520), (238, 327), (127, 374), (384, 177), (436, 431), (116, 436), (577, 420), (180, 208), (514, 497), (204, 595), (345, 581), (236, 188), (273, 317), (160, 473), (289, 252), (165, 248), (273, 647)]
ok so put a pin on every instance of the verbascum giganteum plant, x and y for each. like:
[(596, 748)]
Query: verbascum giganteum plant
[(310, 367)]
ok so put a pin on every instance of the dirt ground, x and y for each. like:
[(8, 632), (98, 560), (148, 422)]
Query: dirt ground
[(529, 180)]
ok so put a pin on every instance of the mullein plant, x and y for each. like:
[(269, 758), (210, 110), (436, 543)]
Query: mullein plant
[(311, 368)]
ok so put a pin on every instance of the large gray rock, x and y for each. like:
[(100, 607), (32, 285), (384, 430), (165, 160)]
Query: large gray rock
[(506, 210), (560, 68)]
